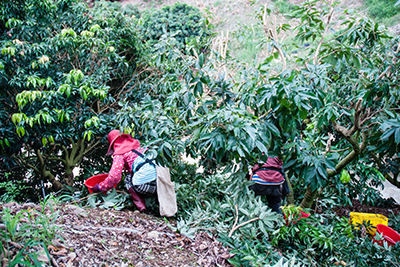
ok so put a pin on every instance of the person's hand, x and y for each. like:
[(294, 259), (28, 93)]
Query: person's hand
[(96, 188)]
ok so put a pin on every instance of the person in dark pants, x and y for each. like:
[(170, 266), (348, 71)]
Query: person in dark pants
[(268, 181)]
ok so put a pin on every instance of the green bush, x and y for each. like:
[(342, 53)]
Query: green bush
[(62, 64), (13, 191), (382, 9), (181, 21), (283, 6), (325, 240)]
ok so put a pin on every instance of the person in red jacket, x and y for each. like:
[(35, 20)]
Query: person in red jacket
[(268, 181)]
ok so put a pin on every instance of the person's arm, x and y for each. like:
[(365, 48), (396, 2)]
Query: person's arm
[(114, 176)]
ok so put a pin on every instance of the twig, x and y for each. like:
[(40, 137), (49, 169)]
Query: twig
[(273, 33), (53, 261), (265, 114), (340, 150), (236, 220), (329, 143), (74, 201), (240, 225), (312, 262)]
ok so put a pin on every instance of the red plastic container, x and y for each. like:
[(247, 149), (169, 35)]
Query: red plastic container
[(96, 179), (388, 234)]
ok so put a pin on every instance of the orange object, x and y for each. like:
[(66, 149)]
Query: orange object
[(388, 234), (96, 179)]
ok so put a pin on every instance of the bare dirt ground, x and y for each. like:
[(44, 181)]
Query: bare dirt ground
[(358, 207), (98, 237)]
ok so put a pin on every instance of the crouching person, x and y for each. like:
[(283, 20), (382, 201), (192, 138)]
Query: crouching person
[(141, 176)]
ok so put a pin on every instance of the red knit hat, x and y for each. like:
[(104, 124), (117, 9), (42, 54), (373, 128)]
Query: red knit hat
[(120, 143)]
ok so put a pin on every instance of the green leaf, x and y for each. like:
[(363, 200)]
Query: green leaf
[(345, 176), (385, 136), (249, 258), (198, 90), (244, 211), (201, 60), (261, 146), (273, 129), (397, 136)]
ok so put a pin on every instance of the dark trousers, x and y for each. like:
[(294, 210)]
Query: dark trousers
[(273, 194)]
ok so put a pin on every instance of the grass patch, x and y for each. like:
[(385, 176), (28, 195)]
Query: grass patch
[(246, 44), (384, 11)]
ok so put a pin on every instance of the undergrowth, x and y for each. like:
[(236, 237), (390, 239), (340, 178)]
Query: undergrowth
[(384, 11), (27, 234)]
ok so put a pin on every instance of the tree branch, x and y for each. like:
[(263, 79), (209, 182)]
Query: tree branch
[(273, 34), (357, 150), (328, 21), (235, 227)]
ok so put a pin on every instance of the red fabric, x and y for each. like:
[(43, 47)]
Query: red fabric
[(269, 175), (120, 162), (120, 143)]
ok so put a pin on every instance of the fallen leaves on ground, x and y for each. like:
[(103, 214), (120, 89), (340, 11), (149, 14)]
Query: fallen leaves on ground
[(97, 237)]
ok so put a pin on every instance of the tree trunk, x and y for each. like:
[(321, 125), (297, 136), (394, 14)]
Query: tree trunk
[(68, 178), (47, 175), (308, 199), (290, 196)]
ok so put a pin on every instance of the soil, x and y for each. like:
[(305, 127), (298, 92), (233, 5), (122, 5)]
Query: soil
[(97, 237), (390, 207)]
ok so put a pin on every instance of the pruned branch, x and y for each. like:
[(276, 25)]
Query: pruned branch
[(235, 226), (329, 143), (348, 134)]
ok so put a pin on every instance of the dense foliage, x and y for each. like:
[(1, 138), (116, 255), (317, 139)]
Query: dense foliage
[(385, 11), (181, 21), (330, 112), (63, 67)]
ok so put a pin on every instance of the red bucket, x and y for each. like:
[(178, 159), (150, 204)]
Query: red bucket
[(388, 234), (96, 179)]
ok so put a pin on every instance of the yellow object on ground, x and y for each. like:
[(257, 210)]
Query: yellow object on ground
[(358, 218)]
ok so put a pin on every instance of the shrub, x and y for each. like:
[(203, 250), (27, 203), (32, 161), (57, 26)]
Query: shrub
[(62, 64), (283, 6), (180, 20), (13, 191)]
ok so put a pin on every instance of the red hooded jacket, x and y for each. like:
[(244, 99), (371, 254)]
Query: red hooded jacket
[(269, 176)]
